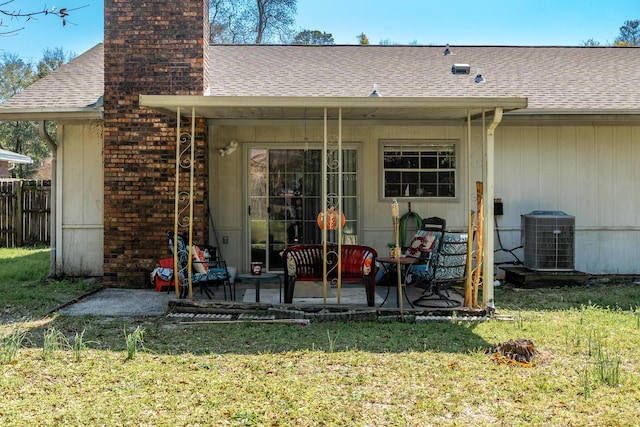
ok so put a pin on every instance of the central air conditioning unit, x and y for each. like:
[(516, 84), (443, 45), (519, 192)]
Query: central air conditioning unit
[(548, 238)]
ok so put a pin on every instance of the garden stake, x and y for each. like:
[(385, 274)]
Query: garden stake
[(468, 291), (479, 248), (395, 215)]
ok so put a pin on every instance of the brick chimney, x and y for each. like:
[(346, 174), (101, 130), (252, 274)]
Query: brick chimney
[(153, 47)]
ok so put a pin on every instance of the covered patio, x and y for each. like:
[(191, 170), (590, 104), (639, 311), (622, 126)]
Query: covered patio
[(484, 113)]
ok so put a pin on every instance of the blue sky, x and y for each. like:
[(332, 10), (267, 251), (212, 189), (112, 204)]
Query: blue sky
[(461, 22)]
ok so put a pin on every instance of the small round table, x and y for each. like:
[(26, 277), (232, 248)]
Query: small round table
[(405, 263), (256, 280)]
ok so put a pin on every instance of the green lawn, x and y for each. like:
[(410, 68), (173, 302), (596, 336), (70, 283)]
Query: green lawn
[(81, 370)]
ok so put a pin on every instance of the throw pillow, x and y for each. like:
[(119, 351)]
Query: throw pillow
[(199, 261), (422, 242), (366, 268)]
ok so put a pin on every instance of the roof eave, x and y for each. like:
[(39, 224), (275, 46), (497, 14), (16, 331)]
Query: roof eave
[(57, 114), (169, 104), (19, 162), (16, 160), (576, 116), (577, 111)]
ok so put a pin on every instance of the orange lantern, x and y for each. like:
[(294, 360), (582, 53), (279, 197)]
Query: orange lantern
[(331, 219)]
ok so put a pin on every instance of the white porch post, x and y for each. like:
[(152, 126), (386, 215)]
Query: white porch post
[(488, 223)]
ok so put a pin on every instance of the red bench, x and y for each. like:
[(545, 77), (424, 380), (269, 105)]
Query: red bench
[(305, 263)]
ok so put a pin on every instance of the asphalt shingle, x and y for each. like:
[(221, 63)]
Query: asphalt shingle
[(77, 84), (552, 78), (574, 78)]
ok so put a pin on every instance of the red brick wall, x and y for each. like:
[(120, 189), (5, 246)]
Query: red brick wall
[(155, 48)]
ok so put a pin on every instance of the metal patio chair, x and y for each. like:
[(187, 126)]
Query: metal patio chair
[(445, 267), (215, 271)]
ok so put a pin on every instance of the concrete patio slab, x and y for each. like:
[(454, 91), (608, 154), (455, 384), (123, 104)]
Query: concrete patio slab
[(121, 302)]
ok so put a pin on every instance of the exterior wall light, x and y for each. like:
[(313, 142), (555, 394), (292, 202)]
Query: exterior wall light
[(230, 148)]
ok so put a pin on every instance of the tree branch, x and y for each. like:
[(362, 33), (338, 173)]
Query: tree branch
[(62, 13)]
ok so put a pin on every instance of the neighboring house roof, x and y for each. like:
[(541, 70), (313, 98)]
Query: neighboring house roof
[(72, 91), (594, 80), (11, 157), (45, 170)]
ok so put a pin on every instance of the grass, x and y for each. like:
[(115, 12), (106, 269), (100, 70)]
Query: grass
[(25, 290), (10, 345), (133, 340), (333, 374), (53, 341)]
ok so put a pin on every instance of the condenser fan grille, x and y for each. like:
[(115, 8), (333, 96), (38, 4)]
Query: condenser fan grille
[(548, 238)]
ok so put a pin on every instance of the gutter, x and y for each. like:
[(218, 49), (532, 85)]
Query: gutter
[(172, 102), (489, 226), (53, 146), (57, 114)]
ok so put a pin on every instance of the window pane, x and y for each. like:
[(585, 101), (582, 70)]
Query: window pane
[(350, 208), (430, 190), (349, 161), (392, 190), (411, 160), (392, 159), (429, 162), (392, 177), (446, 190), (349, 184), (447, 161), (428, 177), (410, 177), (419, 168), (446, 177)]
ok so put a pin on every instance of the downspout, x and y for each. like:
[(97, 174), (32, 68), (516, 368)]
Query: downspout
[(53, 146), (488, 212)]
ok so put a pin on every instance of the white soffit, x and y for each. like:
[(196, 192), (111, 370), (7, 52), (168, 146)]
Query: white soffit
[(311, 108)]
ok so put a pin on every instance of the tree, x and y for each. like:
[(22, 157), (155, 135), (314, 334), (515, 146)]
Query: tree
[(274, 17), (251, 21), (590, 42), (313, 37), (15, 75), (52, 59), (230, 22), (629, 34), (20, 136), (362, 39), (19, 15)]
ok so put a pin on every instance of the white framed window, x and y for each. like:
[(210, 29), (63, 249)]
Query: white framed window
[(419, 168)]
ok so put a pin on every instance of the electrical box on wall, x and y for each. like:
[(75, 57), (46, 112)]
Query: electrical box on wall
[(548, 238), (498, 207)]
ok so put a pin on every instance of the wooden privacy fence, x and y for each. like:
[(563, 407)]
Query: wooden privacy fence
[(25, 207)]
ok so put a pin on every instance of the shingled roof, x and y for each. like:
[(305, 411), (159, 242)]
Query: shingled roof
[(594, 80), (72, 90), (552, 78)]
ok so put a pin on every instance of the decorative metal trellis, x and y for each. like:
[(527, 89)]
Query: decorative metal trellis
[(332, 196), (183, 204)]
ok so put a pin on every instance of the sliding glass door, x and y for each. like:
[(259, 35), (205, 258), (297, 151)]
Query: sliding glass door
[(285, 198)]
